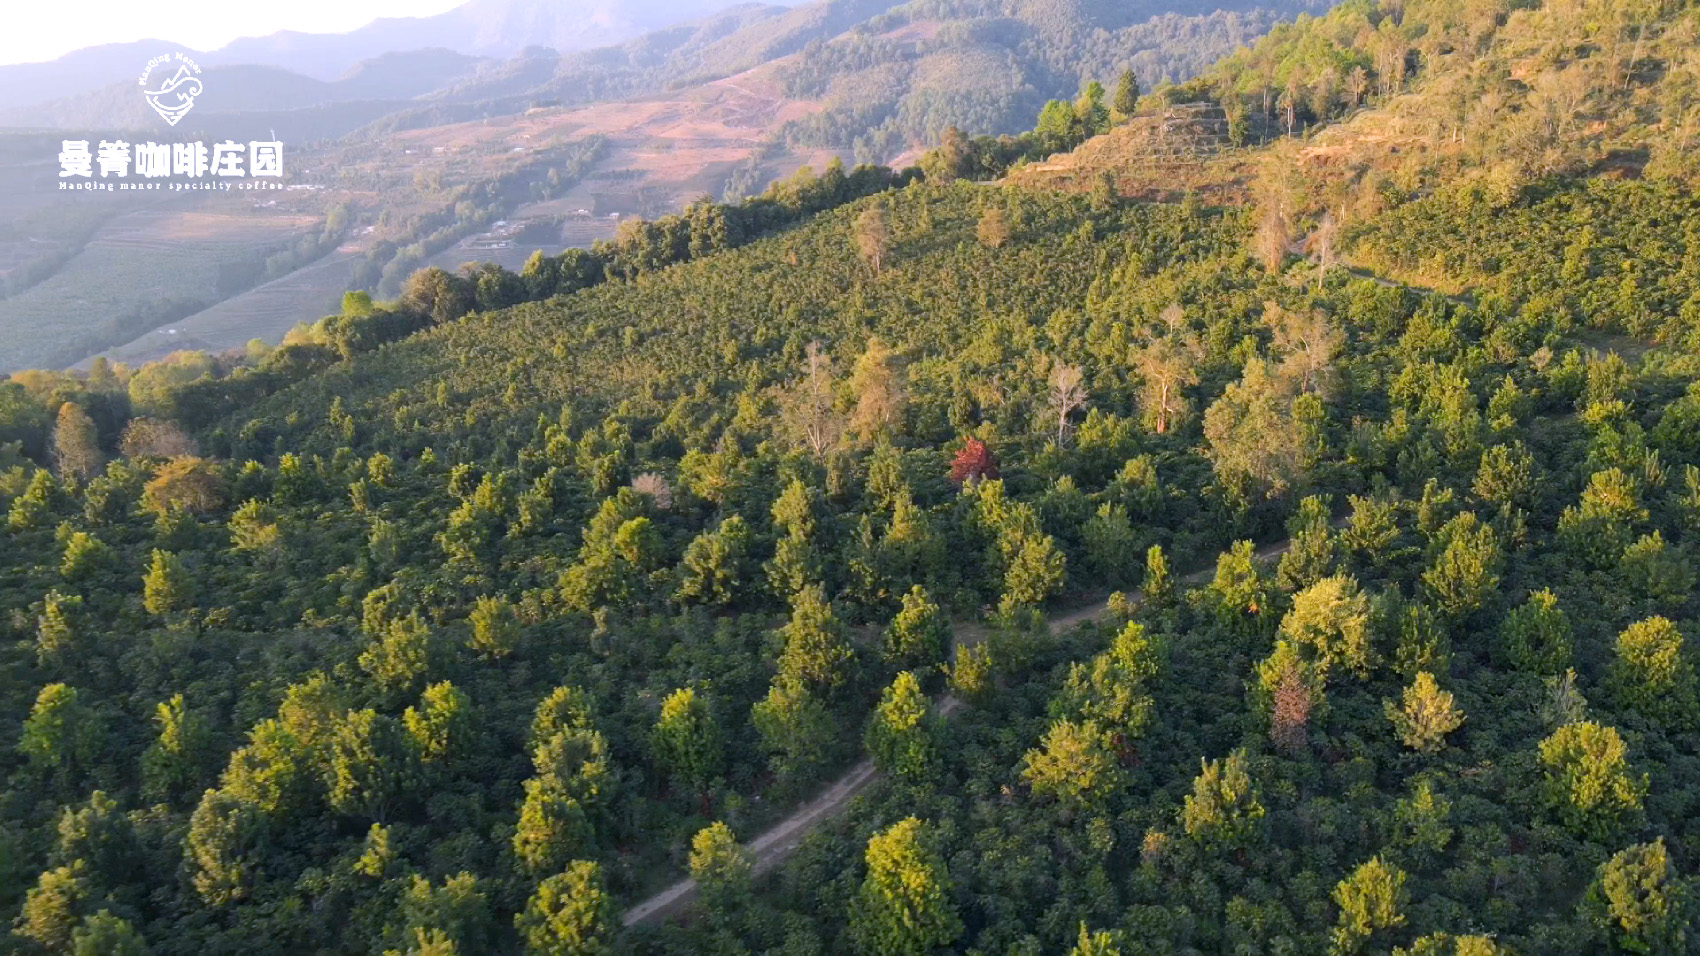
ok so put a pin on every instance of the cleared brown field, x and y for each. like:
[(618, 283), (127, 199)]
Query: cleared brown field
[(673, 148)]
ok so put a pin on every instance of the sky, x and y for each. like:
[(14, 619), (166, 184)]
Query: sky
[(42, 30)]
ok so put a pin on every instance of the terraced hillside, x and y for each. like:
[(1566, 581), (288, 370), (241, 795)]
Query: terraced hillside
[(139, 270)]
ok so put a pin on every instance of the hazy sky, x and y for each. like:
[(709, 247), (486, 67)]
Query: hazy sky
[(44, 30)]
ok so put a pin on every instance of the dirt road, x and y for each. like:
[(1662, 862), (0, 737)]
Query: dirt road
[(772, 847)]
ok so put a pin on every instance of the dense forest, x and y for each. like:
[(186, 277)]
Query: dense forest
[(1193, 584), (885, 89)]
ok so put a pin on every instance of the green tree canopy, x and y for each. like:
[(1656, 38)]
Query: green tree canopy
[(904, 907)]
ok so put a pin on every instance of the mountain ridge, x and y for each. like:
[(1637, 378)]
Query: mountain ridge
[(478, 28)]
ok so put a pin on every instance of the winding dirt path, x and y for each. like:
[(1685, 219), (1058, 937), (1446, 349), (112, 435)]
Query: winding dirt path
[(772, 847)]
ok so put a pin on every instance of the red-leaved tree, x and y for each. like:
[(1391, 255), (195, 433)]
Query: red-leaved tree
[(974, 462)]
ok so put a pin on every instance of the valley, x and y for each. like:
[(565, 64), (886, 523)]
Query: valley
[(720, 106)]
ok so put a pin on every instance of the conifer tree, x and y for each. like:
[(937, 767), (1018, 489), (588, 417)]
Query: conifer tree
[(721, 868), (223, 847), (1312, 554), (368, 767), (1100, 943), (167, 587), (1115, 688), (569, 914), (86, 556), (713, 566), (1111, 543), (910, 552), (899, 734), (818, 653), (399, 656), (52, 908), (1373, 898), (1650, 675), (1536, 635), (1589, 781), (61, 736), (1127, 94), (1426, 716), (1035, 573), (687, 742), (56, 644), (1466, 572), (1072, 765), (495, 631), (174, 762), (1639, 900), (1421, 821), (104, 934), (919, 635), (1223, 808), (440, 728), (1158, 590), (797, 729), (904, 907), (1330, 620)]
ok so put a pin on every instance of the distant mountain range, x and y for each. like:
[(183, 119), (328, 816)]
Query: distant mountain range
[(484, 28), (495, 29), (884, 75), (247, 88)]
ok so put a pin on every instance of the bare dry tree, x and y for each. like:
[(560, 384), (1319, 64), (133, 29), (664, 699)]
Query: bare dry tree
[(1167, 366), (1640, 11), (1273, 194), (1307, 343), (1068, 393), (1323, 91), (809, 408), (1484, 116), (1255, 442), (1390, 58), (1357, 84), (1173, 318), (656, 487), (1327, 234), (155, 438), (873, 237)]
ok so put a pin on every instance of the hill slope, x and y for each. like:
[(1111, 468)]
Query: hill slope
[(481, 614), (1376, 101)]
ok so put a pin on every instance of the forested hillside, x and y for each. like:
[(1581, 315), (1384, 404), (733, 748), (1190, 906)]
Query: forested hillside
[(465, 623), (889, 76), (1372, 103)]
